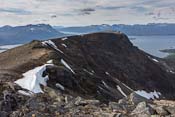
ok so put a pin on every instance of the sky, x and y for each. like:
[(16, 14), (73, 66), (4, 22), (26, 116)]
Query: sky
[(86, 12)]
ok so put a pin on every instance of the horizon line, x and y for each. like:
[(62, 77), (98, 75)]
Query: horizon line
[(83, 25)]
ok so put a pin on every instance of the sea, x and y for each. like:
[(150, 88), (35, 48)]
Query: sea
[(153, 44)]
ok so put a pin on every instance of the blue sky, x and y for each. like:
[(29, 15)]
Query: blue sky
[(86, 12)]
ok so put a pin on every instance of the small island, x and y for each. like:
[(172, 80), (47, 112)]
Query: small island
[(171, 53)]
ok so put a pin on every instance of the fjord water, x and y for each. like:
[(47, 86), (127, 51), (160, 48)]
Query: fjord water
[(6, 47), (152, 44)]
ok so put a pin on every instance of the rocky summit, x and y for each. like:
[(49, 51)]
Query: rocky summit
[(99, 74)]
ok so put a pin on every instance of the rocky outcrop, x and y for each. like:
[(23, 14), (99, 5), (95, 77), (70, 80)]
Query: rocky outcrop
[(54, 103)]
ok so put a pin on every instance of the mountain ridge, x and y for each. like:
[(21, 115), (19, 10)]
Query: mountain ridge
[(98, 74), (88, 56), (24, 34)]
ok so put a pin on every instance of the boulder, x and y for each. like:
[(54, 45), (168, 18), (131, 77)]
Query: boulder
[(36, 103), (171, 110), (78, 100), (123, 101), (161, 111), (91, 102), (143, 110), (74, 102), (135, 98), (53, 94), (115, 107)]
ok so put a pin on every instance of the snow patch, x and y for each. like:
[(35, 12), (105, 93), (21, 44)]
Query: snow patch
[(50, 62), (52, 44), (127, 86), (105, 84), (107, 73), (58, 85), (118, 87), (33, 79), (91, 73), (155, 60), (64, 38), (151, 95), (25, 93), (64, 45), (67, 66), (172, 72), (100, 88)]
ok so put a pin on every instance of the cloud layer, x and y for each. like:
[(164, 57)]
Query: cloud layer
[(86, 12)]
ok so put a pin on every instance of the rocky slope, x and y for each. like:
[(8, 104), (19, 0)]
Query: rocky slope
[(98, 67), (54, 103)]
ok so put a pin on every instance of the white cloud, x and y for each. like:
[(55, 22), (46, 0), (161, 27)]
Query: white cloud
[(85, 12)]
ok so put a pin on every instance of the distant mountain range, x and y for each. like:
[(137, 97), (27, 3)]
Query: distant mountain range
[(23, 34), (132, 30)]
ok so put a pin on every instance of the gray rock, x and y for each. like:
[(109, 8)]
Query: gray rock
[(74, 102), (3, 114), (161, 111), (16, 114), (118, 115), (155, 116), (171, 110), (78, 100), (35, 114), (104, 114), (115, 106), (54, 94), (36, 103), (142, 110), (135, 98), (92, 102), (68, 98), (122, 101), (9, 102)]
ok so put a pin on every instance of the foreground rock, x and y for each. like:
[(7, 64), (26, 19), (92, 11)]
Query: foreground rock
[(54, 103)]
